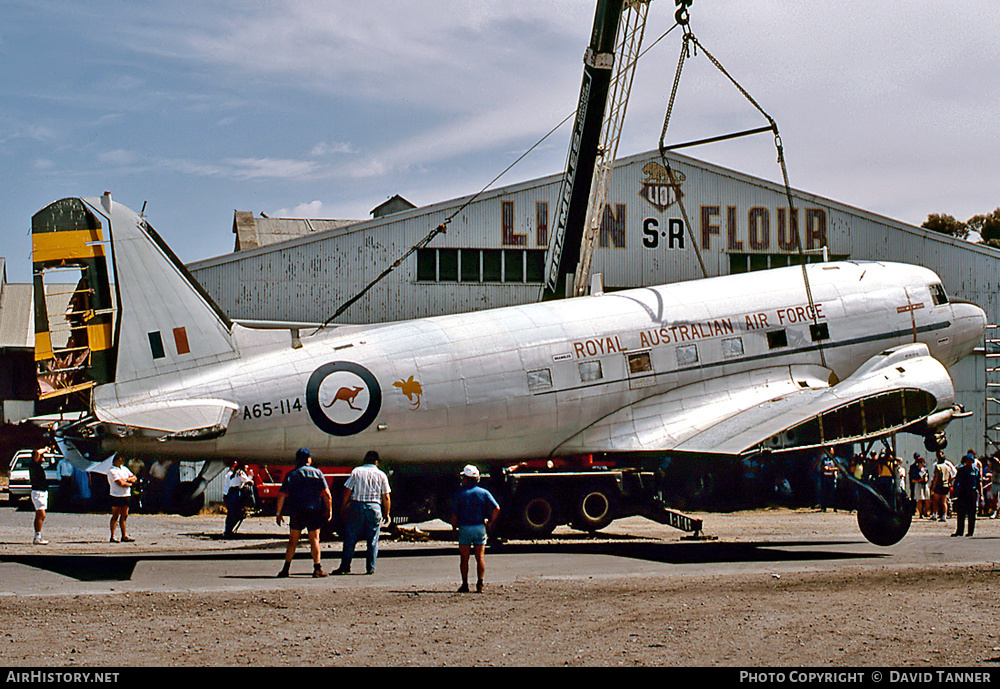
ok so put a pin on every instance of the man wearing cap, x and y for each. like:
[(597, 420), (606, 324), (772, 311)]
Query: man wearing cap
[(365, 505), (305, 493), (474, 511)]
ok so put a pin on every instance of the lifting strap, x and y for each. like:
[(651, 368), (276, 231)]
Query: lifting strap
[(688, 43)]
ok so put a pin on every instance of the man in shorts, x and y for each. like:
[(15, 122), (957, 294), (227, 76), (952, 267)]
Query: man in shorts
[(306, 496), (39, 493), (474, 512)]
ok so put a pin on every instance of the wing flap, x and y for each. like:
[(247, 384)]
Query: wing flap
[(664, 421)]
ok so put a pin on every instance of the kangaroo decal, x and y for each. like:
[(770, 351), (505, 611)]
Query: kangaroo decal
[(348, 395)]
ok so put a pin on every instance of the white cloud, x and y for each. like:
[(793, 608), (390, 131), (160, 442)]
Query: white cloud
[(270, 168), (325, 149)]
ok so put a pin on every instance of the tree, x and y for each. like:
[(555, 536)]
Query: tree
[(988, 227), (946, 224)]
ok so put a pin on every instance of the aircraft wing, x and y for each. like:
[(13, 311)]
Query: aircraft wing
[(185, 418), (780, 408)]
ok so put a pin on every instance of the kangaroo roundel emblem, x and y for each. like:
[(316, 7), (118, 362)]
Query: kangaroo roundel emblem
[(343, 398)]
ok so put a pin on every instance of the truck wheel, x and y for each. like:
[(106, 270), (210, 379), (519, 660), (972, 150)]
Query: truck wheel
[(593, 510), (537, 514)]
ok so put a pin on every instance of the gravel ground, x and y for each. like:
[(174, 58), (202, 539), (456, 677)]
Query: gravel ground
[(877, 616)]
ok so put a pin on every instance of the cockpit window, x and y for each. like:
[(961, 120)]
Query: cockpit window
[(938, 295)]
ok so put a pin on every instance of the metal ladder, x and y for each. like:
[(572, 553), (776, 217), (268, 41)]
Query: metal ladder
[(991, 346)]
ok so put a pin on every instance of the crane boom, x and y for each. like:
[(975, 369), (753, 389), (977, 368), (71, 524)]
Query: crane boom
[(609, 65)]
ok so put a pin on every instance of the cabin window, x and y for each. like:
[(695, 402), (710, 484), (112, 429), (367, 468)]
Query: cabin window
[(732, 347), (639, 363), (819, 331), (938, 295), (777, 338), (590, 371), (687, 355), (539, 379)]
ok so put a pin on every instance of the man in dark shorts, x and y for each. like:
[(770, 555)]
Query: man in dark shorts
[(306, 496)]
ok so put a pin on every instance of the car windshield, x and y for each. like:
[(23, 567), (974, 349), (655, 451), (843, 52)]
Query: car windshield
[(22, 463)]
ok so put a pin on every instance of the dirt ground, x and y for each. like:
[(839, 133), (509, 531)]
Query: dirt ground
[(804, 621), (860, 616)]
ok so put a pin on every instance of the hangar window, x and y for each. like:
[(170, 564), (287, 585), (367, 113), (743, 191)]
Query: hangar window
[(470, 264), (777, 338), (427, 266), (447, 265), (513, 265), (534, 266), (748, 263), (518, 266), (590, 371), (492, 268)]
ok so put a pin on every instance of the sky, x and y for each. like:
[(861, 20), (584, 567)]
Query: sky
[(325, 109)]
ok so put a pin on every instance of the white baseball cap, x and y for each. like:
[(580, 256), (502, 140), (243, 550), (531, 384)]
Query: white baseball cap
[(470, 471)]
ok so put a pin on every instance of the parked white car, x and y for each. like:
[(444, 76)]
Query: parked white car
[(19, 483)]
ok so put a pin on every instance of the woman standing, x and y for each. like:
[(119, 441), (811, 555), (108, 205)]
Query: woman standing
[(120, 481)]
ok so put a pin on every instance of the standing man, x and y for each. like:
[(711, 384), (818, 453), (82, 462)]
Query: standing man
[(940, 487), (120, 482), (365, 505), (967, 492), (65, 471), (474, 511), (829, 481), (310, 505), (39, 493), (995, 484)]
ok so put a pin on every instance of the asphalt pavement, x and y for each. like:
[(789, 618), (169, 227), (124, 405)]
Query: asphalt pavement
[(173, 553)]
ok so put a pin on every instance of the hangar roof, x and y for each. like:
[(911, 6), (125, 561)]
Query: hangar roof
[(254, 232)]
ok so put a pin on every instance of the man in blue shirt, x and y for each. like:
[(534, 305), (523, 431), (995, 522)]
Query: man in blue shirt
[(474, 511), (307, 497)]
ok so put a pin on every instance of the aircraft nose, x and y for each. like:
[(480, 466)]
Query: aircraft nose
[(970, 326)]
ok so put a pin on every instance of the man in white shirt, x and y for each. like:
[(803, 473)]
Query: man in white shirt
[(120, 481), (365, 505)]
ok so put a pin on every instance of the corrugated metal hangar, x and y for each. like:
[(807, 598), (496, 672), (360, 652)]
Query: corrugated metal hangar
[(493, 253)]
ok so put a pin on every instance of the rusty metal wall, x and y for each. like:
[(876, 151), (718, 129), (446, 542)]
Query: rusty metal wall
[(731, 214)]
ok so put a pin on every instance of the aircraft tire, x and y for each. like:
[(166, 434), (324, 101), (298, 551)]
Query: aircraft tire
[(183, 503), (536, 514), (880, 525), (593, 509)]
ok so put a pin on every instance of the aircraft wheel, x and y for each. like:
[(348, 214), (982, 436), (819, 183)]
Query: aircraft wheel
[(185, 503), (537, 514), (593, 510), (880, 525)]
